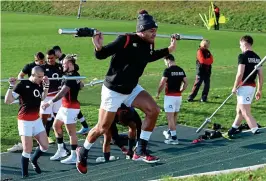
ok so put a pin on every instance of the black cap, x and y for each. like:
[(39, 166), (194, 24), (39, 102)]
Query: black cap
[(145, 21)]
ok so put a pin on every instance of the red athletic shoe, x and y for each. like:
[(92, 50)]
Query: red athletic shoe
[(146, 158), (197, 141), (124, 150), (81, 163)]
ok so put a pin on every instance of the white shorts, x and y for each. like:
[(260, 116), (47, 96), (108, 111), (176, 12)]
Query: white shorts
[(245, 94), (30, 128), (54, 108), (67, 115), (172, 103), (111, 100)]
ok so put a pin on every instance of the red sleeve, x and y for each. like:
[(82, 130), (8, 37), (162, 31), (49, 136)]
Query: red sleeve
[(217, 10), (202, 60), (200, 57)]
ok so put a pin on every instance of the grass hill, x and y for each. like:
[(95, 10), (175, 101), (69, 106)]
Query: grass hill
[(245, 16)]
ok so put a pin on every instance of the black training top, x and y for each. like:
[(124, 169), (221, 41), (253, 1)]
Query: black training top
[(70, 100), (175, 76), (28, 67), (130, 55), (249, 59), (53, 71), (60, 59), (30, 97)]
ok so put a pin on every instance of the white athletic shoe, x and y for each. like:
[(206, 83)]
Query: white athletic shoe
[(171, 141), (102, 159), (72, 159), (59, 154), (166, 134), (16, 148)]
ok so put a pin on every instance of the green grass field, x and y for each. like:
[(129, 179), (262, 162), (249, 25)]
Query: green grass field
[(23, 35), (257, 175)]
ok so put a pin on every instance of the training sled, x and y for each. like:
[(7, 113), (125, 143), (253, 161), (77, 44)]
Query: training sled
[(176, 160)]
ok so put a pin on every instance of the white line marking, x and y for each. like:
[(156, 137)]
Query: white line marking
[(249, 168)]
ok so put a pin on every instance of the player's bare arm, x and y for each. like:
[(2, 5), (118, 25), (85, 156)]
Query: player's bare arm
[(57, 97), (9, 97), (185, 84), (260, 83), (81, 85), (45, 87), (239, 76), (161, 86), (21, 75)]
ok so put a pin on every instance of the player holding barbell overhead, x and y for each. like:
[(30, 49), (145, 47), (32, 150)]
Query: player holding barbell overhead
[(52, 69), (174, 77), (67, 114), (30, 93), (39, 59), (130, 55), (247, 61), (60, 56)]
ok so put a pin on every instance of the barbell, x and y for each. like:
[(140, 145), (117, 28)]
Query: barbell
[(54, 78), (90, 32), (94, 82), (91, 83)]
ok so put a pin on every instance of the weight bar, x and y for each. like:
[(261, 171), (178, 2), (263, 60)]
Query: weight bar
[(94, 82), (55, 78), (90, 32)]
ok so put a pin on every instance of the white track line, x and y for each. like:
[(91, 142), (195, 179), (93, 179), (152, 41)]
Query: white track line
[(249, 168), (144, 170)]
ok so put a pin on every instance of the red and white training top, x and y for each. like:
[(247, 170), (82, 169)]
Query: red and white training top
[(70, 100), (30, 97)]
